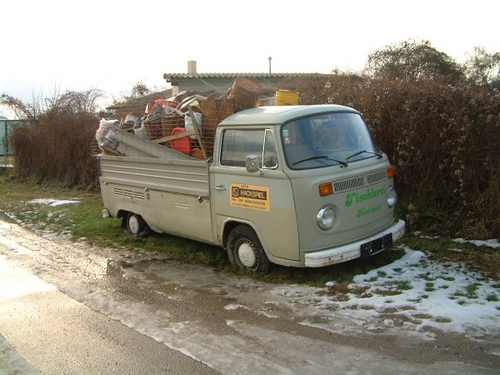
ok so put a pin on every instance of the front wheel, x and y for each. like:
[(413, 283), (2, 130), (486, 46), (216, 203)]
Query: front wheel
[(245, 250), (135, 225)]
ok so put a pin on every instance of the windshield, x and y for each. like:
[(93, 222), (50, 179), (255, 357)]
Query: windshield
[(327, 139)]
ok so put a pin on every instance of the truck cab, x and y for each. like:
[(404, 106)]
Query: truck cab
[(301, 186)]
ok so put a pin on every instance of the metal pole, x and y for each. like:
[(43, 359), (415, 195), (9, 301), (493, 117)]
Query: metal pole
[(4, 140), (270, 58)]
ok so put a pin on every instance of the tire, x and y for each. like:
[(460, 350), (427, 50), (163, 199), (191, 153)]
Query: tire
[(135, 225), (245, 250)]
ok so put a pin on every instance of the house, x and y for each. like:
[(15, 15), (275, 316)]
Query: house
[(195, 82), (221, 82)]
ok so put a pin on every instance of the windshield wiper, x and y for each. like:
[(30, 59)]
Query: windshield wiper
[(317, 157), (378, 154)]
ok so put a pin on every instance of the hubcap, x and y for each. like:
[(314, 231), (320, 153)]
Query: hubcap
[(133, 224), (246, 255)]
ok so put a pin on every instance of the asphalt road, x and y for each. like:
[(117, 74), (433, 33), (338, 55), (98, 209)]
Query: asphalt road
[(49, 332), (71, 309)]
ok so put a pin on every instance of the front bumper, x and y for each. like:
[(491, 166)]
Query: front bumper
[(351, 251)]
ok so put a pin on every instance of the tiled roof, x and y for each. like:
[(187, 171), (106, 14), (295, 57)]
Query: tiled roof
[(169, 77)]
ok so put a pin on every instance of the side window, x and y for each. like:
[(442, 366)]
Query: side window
[(238, 144)]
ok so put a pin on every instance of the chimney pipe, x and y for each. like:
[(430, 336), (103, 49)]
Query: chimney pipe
[(270, 58), (192, 67)]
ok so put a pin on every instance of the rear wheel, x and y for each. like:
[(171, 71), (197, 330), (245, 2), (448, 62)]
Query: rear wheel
[(135, 225), (245, 250)]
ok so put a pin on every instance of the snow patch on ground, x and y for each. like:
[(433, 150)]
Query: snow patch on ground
[(493, 243), (54, 202), (413, 294)]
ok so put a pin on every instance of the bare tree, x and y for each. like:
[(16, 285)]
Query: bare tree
[(483, 67), (23, 111), (70, 102), (138, 90), (411, 61), (75, 102)]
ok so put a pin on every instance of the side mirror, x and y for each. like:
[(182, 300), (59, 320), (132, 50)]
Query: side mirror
[(252, 163)]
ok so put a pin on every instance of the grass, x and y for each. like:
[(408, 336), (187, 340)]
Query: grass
[(429, 287), (6, 160), (84, 222), (492, 298), (404, 285), (426, 276), (482, 259), (470, 292)]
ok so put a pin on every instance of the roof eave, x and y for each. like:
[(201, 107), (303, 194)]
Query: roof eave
[(171, 77)]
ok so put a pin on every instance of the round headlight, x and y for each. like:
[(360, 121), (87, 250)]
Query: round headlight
[(392, 197), (326, 217)]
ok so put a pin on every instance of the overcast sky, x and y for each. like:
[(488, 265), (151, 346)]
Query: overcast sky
[(52, 46)]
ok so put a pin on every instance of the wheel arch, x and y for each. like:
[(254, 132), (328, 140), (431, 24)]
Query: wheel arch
[(245, 250), (230, 224), (122, 213)]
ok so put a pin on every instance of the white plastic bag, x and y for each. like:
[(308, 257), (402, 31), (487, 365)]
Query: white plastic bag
[(107, 134), (188, 124)]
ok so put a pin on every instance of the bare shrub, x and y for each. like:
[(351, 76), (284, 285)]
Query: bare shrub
[(443, 139), (56, 146)]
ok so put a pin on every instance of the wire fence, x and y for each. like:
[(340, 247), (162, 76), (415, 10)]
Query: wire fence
[(187, 120)]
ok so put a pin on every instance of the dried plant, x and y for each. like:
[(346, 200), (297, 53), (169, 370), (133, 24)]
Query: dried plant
[(56, 145)]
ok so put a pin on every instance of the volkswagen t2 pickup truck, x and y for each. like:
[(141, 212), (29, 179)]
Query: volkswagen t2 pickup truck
[(301, 186)]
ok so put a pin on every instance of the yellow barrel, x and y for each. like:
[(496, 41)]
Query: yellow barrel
[(285, 97)]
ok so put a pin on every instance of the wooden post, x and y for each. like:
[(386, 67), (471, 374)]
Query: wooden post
[(197, 130)]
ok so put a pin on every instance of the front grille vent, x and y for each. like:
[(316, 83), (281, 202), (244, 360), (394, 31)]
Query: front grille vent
[(375, 177), (348, 184), (130, 193)]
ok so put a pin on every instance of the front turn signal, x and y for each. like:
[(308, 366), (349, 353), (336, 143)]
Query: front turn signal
[(325, 189), (390, 172)]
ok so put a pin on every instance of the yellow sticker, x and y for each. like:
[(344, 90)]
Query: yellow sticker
[(250, 196)]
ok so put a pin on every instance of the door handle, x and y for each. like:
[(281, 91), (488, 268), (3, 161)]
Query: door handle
[(220, 188)]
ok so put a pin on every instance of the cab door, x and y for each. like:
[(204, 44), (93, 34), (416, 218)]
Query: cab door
[(262, 199)]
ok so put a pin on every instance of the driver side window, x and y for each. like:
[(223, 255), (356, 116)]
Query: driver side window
[(238, 144)]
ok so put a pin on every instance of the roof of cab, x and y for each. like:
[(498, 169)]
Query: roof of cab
[(280, 114)]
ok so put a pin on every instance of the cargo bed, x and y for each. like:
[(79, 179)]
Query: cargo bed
[(176, 176)]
